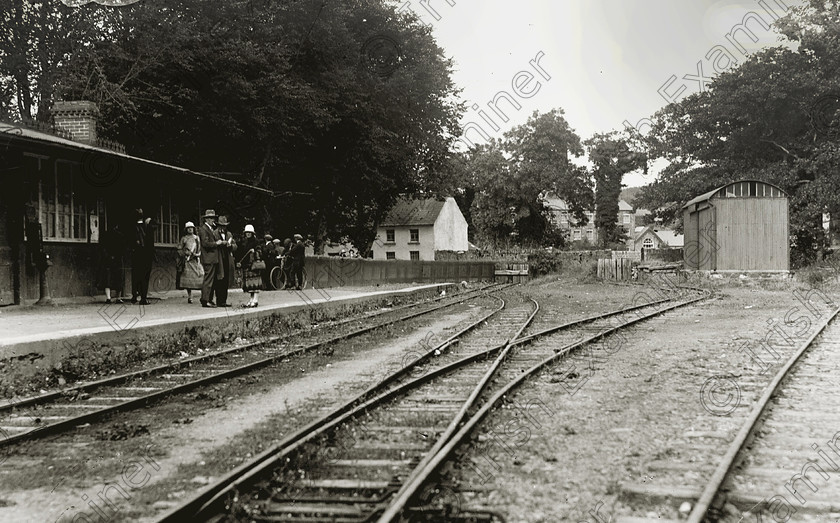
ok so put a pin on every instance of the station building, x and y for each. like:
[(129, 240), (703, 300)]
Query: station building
[(742, 226), (72, 186)]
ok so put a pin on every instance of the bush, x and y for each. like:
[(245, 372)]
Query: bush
[(542, 263)]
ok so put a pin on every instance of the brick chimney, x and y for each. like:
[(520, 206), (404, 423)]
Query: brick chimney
[(78, 119)]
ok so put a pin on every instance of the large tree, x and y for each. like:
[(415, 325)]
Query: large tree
[(514, 175), (612, 157)]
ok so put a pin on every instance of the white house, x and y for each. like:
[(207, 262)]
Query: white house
[(415, 229), (651, 237)]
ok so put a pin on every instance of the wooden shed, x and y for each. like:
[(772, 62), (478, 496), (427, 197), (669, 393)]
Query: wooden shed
[(742, 226)]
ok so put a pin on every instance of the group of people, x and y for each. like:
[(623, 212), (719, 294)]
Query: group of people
[(208, 256), (140, 242)]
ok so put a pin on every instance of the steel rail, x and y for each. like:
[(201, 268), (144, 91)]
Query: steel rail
[(421, 475), (462, 413), (245, 473), (207, 501), (121, 378), (71, 422), (719, 477)]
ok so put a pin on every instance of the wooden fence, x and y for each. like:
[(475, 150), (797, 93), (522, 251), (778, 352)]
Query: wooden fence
[(609, 269)]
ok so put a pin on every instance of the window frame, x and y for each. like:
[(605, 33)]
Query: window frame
[(390, 255), (390, 236), (414, 236), (414, 255), (78, 218)]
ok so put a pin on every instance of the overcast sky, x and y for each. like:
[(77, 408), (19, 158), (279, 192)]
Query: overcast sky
[(602, 61)]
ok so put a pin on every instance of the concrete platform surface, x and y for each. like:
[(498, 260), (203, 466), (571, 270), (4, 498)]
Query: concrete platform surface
[(23, 328)]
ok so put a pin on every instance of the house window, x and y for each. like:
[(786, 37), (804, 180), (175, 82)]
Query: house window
[(390, 255), (576, 234), (414, 255), (626, 219), (589, 234), (168, 222), (415, 235), (648, 243), (389, 236), (564, 218), (66, 208)]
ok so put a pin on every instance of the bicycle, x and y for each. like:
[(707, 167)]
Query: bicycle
[(277, 276)]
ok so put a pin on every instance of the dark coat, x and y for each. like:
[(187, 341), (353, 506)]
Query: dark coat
[(209, 249), (227, 263), (297, 253)]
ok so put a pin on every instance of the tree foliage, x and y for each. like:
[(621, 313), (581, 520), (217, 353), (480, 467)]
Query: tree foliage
[(512, 176), (612, 157)]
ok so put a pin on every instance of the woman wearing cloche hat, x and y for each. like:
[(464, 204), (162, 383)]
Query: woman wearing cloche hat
[(249, 259), (189, 274)]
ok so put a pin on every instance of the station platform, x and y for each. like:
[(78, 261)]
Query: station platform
[(47, 332)]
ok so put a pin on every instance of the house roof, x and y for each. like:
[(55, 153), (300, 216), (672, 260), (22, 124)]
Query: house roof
[(413, 212), (708, 196), (558, 204), (13, 132), (666, 236)]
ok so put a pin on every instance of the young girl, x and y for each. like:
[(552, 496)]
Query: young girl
[(248, 256)]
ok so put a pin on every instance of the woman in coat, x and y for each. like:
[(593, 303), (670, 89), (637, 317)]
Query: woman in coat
[(189, 273), (249, 259)]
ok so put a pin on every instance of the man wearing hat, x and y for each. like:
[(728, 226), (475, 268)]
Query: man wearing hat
[(297, 254), (225, 250), (210, 242), (269, 255)]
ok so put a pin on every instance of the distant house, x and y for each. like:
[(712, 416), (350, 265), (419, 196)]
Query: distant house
[(563, 219), (415, 229), (652, 237)]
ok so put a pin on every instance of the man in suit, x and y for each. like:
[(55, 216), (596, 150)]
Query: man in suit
[(269, 254), (210, 242), (225, 250), (142, 256), (297, 254)]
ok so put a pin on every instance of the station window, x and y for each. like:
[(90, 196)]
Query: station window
[(67, 210), (389, 236), (390, 255), (414, 255), (415, 235), (168, 229)]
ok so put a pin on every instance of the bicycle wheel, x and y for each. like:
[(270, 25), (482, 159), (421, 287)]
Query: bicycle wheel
[(277, 277)]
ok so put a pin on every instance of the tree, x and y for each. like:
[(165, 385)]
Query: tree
[(512, 177), (612, 158)]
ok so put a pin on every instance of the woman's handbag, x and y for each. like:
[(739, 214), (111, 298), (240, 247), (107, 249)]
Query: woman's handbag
[(258, 265)]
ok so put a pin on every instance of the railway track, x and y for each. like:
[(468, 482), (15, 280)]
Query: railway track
[(376, 458), (61, 410), (778, 466)]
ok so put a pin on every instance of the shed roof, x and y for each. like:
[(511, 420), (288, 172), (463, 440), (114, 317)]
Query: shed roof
[(10, 132), (413, 212), (708, 196)]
